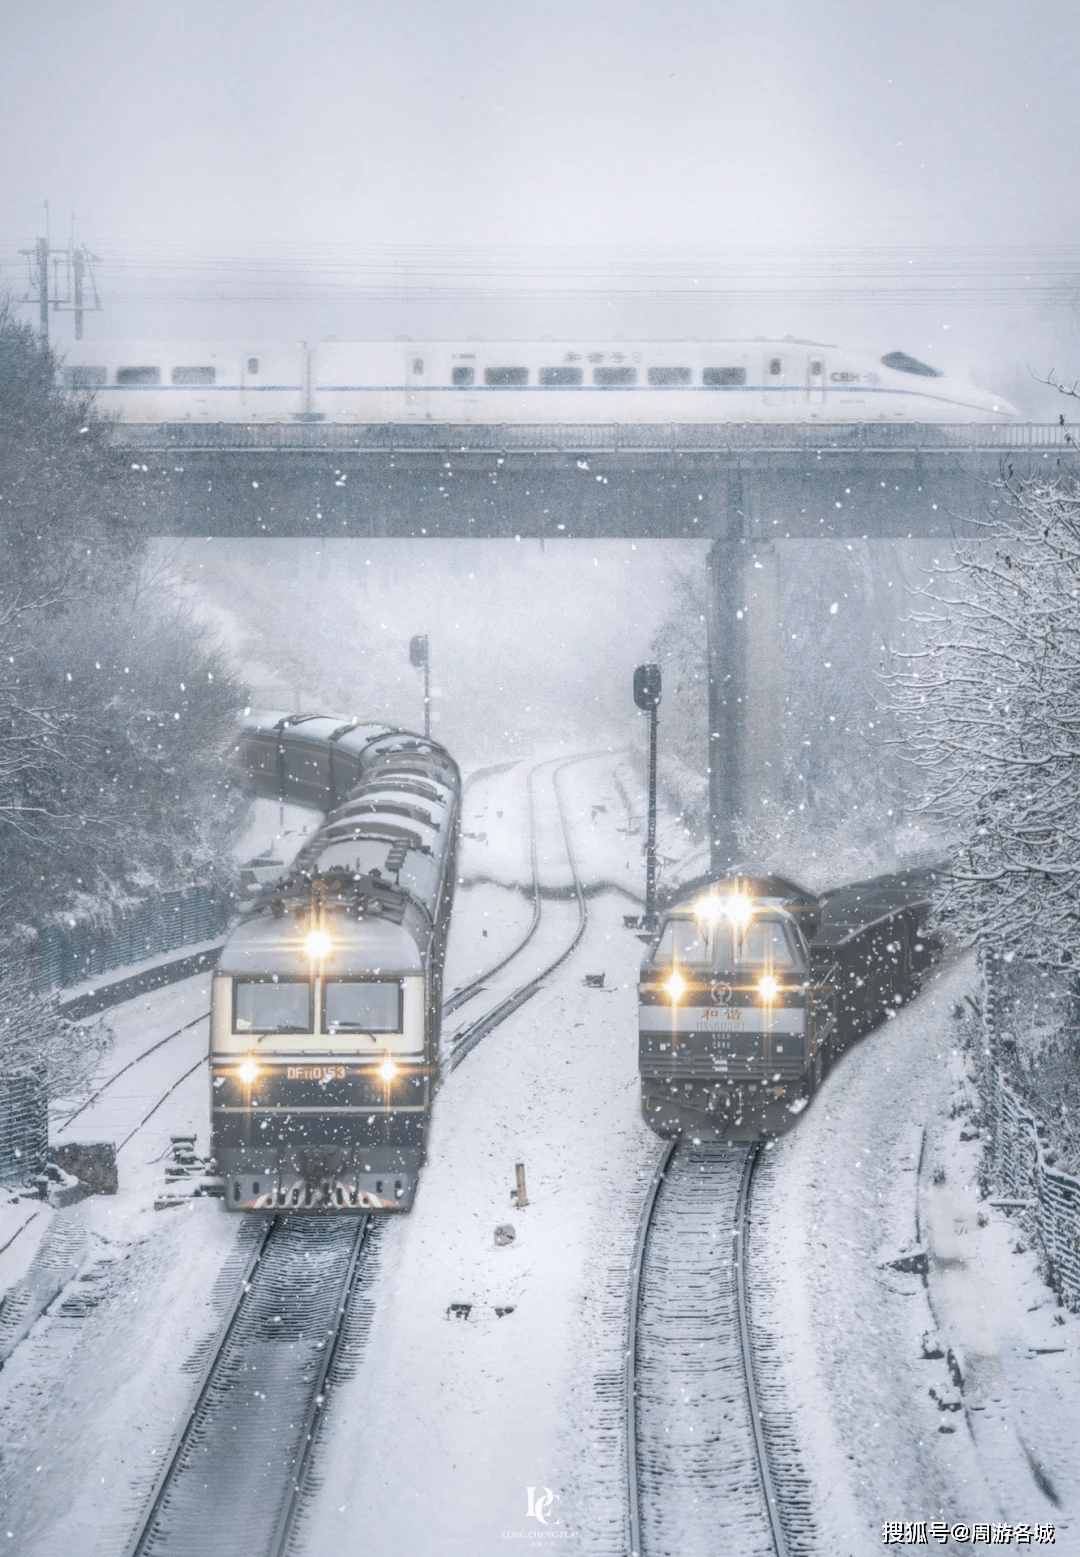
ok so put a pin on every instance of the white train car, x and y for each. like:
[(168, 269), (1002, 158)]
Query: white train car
[(519, 382)]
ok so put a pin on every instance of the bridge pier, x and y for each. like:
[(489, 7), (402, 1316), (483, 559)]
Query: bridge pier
[(745, 486), (746, 689)]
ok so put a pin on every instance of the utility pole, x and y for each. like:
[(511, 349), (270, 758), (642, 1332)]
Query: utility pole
[(78, 264), (41, 265), (418, 656), (647, 691), (77, 261)]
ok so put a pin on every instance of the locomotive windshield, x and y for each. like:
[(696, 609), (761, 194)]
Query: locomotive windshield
[(272, 1006), (723, 947), (362, 1005)]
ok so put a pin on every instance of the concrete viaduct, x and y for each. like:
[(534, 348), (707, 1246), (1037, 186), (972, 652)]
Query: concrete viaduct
[(739, 486)]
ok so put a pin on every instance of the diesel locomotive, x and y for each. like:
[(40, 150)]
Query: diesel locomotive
[(753, 988), (326, 1000)]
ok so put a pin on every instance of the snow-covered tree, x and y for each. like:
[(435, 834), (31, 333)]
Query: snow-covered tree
[(115, 709), (680, 648), (990, 709)]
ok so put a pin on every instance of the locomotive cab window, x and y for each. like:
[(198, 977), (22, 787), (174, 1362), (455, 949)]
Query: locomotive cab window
[(362, 1006), (681, 941), (765, 945), (272, 1006), (722, 948)]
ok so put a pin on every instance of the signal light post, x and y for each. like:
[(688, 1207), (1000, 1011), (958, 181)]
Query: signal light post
[(418, 656), (647, 690)]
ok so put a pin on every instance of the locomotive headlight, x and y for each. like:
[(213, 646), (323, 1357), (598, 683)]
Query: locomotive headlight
[(248, 1071), (739, 910), (317, 945), (768, 988), (388, 1070), (676, 986)]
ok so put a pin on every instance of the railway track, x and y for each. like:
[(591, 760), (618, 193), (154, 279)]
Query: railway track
[(231, 1482), (562, 941), (700, 1463)]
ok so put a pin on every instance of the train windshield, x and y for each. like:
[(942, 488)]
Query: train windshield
[(272, 1006), (721, 947), (362, 1006)]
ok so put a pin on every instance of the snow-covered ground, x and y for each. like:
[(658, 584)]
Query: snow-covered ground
[(954, 1400), (492, 1368)]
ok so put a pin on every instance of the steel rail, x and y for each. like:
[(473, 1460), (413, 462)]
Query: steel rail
[(202, 1060), (465, 1041), (280, 1541), (136, 1545), (630, 1371), (125, 1068), (739, 1250), (145, 1539), (467, 991), (739, 1246)]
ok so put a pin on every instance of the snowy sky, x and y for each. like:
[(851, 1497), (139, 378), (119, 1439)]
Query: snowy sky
[(359, 168)]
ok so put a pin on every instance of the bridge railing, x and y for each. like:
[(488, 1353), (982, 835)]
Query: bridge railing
[(585, 438)]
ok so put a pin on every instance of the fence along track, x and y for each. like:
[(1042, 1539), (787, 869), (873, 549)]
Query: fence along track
[(231, 1483), (699, 1479)]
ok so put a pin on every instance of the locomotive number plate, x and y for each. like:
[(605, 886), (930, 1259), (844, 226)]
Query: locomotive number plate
[(316, 1072), (720, 1019)]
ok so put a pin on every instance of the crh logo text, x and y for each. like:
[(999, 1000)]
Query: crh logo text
[(540, 1507)]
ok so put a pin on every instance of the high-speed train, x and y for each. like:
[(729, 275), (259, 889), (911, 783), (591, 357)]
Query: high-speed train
[(754, 987), (525, 382), (326, 1000)]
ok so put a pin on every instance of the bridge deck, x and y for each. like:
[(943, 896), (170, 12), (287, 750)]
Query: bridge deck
[(749, 438)]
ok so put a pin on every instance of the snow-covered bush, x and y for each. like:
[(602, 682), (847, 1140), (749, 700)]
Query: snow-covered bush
[(37, 1040)]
